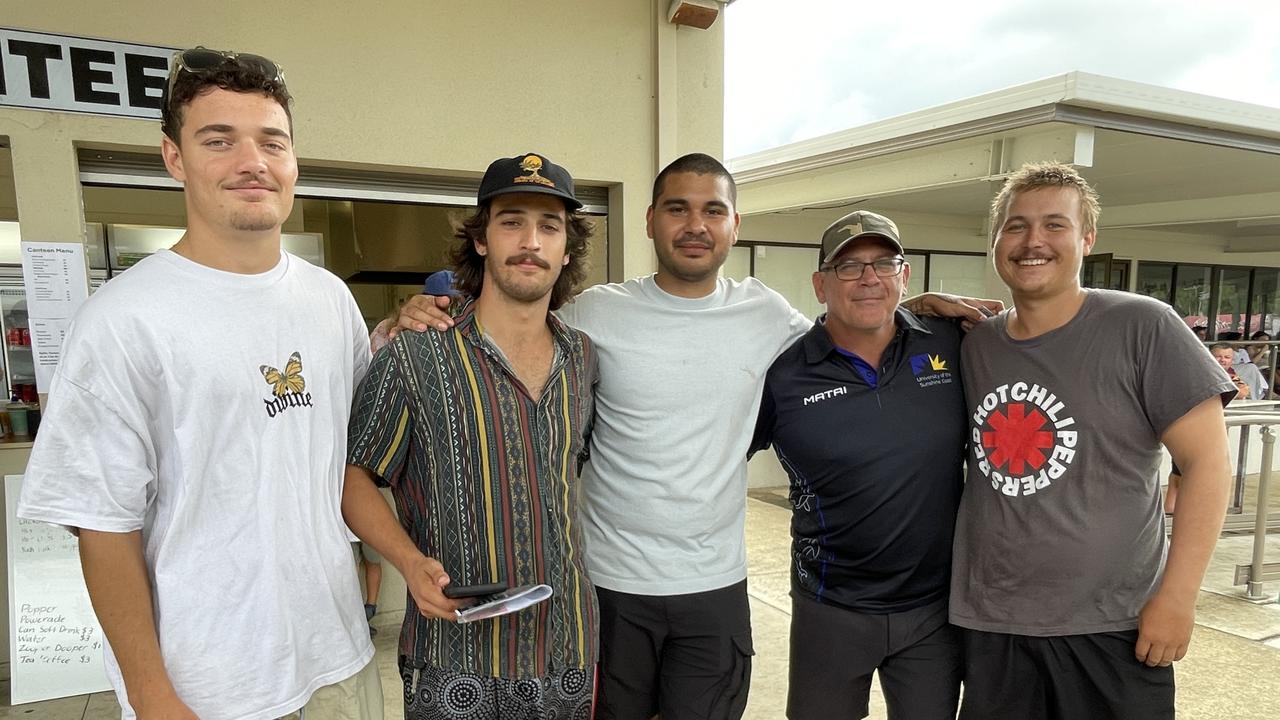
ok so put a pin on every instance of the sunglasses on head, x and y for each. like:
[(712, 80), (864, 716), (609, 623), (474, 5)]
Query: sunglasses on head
[(202, 62)]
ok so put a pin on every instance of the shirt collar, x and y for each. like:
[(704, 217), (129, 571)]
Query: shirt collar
[(466, 323)]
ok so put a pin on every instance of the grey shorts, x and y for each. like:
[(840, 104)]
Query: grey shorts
[(834, 652)]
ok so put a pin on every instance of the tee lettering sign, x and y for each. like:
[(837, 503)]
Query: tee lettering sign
[(43, 71)]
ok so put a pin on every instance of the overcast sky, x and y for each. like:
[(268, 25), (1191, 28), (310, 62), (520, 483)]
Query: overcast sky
[(796, 69)]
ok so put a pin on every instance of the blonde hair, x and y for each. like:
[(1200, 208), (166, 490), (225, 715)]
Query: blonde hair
[(1045, 174)]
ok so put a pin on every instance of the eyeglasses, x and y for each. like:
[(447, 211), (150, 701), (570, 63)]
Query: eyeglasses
[(202, 62), (852, 269)]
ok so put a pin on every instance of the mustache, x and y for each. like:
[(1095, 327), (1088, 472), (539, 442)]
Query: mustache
[(252, 184), (693, 242), (529, 257)]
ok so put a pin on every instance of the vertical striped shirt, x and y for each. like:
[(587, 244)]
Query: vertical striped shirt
[(486, 481)]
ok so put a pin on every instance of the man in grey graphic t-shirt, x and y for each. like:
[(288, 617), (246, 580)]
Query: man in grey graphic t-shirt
[(1071, 604)]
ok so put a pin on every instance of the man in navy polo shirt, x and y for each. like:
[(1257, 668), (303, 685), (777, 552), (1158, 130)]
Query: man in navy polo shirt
[(866, 413)]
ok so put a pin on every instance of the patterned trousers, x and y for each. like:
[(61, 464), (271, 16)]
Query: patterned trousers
[(434, 694)]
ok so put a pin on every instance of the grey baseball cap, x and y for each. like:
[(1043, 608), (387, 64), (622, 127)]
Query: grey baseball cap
[(857, 224)]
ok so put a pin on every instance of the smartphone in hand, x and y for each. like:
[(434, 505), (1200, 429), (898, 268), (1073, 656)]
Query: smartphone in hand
[(454, 591)]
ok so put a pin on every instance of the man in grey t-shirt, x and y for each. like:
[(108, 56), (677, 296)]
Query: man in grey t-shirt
[(1070, 604)]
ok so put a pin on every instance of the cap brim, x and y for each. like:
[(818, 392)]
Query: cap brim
[(879, 236), (570, 201)]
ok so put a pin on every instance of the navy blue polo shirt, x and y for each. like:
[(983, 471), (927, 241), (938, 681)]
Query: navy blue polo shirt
[(875, 467)]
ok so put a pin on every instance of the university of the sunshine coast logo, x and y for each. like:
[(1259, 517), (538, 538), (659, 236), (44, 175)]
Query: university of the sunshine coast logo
[(1023, 438), (930, 370), (288, 387)]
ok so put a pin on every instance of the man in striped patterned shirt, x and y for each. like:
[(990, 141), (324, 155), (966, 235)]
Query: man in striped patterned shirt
[(480, 433)]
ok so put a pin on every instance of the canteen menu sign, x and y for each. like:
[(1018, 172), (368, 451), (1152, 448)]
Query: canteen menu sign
[(57, 285), (43, 71)]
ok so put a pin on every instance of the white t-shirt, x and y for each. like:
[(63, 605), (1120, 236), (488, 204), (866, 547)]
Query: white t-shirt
[(680, 383), (176, 410)]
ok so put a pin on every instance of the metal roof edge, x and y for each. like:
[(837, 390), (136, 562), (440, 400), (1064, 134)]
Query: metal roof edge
[(1008, 108), (1162, 103), (1021, 97)]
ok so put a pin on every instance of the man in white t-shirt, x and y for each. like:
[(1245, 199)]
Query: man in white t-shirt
[(201, 461)]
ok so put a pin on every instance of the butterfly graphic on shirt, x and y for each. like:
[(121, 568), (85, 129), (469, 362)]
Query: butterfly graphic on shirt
[(288, 381)]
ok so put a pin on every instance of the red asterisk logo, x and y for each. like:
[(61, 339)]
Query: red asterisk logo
[(1017, 439)]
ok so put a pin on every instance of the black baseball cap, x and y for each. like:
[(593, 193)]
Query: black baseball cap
[(857, 224), (528, 173)]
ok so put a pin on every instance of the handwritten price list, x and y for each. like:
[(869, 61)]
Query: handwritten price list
[(45, 637), (55, 641)]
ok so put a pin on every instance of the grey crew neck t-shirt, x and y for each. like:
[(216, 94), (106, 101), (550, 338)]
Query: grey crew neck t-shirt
[(1061, 528)]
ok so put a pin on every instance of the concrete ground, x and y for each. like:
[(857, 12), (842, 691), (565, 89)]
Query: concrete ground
[(1231, 671)]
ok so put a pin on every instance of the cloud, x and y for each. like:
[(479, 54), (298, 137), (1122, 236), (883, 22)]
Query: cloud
[(802, 68)]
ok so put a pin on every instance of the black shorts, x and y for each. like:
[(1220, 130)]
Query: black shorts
[(684, 656), (1067, 677), (834, 652)]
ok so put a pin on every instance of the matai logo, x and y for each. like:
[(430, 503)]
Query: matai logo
[(288, 388), (826, 395), (1021, 438)]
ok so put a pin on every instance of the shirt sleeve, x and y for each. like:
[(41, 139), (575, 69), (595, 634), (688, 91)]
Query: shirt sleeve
[(593, 374), (381, 428), (362, 342), (763, 435), (793, 325), (578, 312), (1177, 372), (797, 325), (90, 467), (567, 314)]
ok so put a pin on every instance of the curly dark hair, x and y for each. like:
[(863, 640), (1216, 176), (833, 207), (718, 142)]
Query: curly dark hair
[(233, 76), (468, 265)]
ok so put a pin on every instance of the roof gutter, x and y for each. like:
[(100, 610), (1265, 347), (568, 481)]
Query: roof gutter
[(1076, 98)]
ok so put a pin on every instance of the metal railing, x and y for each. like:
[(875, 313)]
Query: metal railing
[(1246, 418), (1258, 570)]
